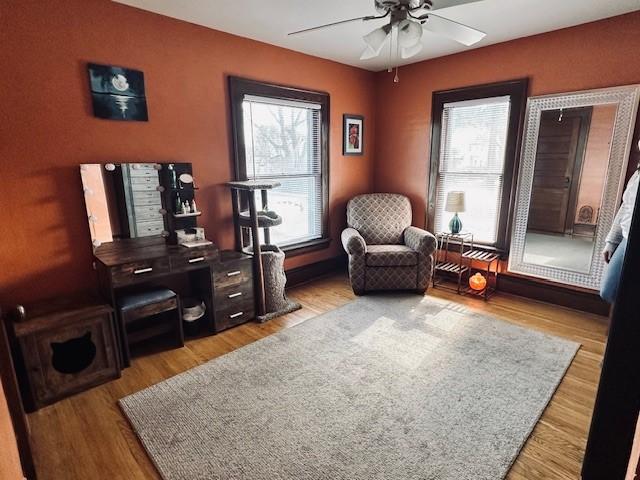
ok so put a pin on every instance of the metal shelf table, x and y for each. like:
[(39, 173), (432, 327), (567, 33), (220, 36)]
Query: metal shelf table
[(446, 265), (487, 258)]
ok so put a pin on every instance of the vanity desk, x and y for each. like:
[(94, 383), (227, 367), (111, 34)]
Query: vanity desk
[(145, 263), (154, 265), (223, 280)]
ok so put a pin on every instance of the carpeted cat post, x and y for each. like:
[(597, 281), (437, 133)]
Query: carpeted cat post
[(275, 280)]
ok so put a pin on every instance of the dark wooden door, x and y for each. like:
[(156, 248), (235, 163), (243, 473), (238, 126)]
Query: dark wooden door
[(561, 144), (9, 386)]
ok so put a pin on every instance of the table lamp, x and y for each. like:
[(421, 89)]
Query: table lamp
[(455, 204)]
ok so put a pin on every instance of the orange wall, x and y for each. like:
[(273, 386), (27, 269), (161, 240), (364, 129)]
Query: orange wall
[(47, 128), (595, 55)]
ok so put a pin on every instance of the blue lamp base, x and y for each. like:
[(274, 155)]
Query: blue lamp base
[(455, 225)]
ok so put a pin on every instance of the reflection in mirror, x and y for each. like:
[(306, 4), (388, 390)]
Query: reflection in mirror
[(186, 178), (123, 202), (572, 156), (575, 151)]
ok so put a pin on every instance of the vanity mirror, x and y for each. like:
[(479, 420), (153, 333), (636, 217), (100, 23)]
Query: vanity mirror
[(572, 171), (135, 200)]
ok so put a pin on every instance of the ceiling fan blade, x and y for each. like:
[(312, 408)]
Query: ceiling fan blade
[(440, 4), (452, 29), (333, 24)]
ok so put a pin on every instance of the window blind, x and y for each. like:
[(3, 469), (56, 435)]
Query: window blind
[(472, 159), (283, 142)]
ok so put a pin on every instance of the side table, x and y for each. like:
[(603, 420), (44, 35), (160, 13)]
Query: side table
[(487, 258), (63, 347), (447, 265)]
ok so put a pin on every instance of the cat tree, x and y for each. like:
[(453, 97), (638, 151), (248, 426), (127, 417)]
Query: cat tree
[(268, 259)]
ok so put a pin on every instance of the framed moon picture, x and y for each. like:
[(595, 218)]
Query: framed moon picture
[(117, 93), (353, 134)]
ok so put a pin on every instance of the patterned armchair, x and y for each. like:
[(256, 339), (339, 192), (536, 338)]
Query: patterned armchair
[(385, 251)]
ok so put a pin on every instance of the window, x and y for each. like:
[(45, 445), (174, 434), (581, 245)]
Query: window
[(283, 138), (473, 150)]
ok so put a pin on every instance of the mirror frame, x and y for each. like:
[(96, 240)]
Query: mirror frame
[(627, 98)]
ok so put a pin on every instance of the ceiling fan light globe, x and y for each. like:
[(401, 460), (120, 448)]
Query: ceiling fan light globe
[(416, 4), (408, 52), (409, 33), (375, 39), (369, 53)]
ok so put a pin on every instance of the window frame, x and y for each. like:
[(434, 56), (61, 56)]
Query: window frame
[(238, 88), (516, 90)]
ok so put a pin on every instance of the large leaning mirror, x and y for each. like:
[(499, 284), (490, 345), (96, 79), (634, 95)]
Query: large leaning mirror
[(572, 170)]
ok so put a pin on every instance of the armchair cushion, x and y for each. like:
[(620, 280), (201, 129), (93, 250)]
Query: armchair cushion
[(424, 243), (420, 240), (379, 217), (356, 247), (390, 256), (353, 242)]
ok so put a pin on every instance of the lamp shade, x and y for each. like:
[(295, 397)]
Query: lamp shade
[(455, 202)]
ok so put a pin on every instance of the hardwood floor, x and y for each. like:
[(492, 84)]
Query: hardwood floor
[(87, 437)]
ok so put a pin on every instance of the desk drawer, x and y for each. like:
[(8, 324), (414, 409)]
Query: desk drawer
[(233, 272), (135, 272), (233, 315), (234, 294), (193, 258)]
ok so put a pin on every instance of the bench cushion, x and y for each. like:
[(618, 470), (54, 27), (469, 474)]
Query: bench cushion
[(142, 299)]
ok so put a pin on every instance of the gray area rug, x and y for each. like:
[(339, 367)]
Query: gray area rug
[(385, 387)]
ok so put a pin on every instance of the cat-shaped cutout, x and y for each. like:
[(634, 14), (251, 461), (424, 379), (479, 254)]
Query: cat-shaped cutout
[(74, 355)]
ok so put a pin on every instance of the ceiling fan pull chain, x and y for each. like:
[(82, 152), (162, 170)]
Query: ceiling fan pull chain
[(390, 68), (396, 78)]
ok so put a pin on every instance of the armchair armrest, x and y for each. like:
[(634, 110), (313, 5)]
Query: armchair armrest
[(353, 242), (420, 240)]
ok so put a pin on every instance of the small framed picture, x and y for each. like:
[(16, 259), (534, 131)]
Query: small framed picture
[(353, 135), (117, 93)]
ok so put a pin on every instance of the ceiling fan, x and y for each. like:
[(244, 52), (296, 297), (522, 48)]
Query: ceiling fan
[(409, 17)]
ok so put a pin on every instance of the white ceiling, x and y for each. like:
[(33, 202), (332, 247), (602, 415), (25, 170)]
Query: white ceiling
[(269, 21)]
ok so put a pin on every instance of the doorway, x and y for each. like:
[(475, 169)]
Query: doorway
[(562, 141)]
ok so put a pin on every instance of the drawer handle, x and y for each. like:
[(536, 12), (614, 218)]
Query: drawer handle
[(236, 315), (142, 270), (234, 295), (196, 260), (233, 274)]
